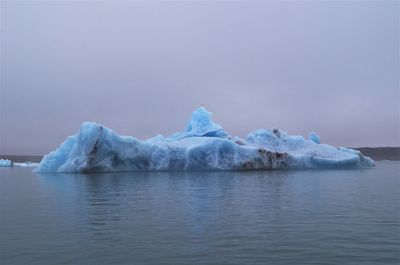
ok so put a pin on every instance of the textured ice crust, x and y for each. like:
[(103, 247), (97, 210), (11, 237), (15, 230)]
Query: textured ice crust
[(203, 145)]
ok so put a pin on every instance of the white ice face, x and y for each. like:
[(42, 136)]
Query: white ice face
[(203, 145)]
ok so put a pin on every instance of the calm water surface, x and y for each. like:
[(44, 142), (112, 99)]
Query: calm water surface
[(270, 217)]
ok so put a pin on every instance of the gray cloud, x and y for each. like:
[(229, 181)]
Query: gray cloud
[(142, 68)]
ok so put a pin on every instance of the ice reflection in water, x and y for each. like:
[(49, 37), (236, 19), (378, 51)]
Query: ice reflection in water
[(330, 217)]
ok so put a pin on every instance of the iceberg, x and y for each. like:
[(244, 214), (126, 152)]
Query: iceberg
[(5, 163), (202, 145)]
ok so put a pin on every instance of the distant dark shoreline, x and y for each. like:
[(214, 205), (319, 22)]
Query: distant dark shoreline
[(22, 158), (376, 153), (381, 153)]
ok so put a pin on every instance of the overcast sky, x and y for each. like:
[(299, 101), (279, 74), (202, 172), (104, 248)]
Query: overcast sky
[(142, 68)]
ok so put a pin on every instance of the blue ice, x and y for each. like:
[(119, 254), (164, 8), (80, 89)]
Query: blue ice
[(5, 163)]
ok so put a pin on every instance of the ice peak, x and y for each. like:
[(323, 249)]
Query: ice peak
[(201, 124), (312, 136)]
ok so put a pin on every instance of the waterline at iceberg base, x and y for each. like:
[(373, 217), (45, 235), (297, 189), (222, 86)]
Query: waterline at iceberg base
[(203, 145)]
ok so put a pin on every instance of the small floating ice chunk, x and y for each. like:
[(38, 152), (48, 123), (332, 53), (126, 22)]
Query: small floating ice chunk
[(25, 164), (5, 163)]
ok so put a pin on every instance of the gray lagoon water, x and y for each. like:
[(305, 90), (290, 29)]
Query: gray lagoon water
[(265, 217)]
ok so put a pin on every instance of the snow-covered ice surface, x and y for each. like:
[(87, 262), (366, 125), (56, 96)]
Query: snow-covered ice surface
[(5, 163), (203, 145)]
